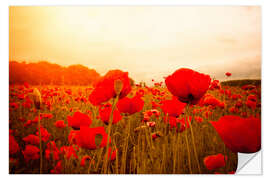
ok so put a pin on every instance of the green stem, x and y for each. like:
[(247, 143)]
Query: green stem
[(193, 140), (40, 143), (189, 162), (174, 153), (125, 147), (109, 135)]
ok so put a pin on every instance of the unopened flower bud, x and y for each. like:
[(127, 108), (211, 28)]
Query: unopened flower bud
[(118, 86), (37, 98), (140, 128)]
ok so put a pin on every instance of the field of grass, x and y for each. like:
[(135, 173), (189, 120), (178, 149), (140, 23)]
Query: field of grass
[(139, 148)]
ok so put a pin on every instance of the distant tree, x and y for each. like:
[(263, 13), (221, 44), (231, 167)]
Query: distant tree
[(47, 73)]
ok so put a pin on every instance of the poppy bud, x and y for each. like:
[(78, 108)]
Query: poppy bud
[(37, 98), (140, 128), (118, 86)]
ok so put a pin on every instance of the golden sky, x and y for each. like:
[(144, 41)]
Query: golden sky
[(148, 42)]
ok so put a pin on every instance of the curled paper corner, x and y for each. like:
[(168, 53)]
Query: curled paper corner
[(249, 163)]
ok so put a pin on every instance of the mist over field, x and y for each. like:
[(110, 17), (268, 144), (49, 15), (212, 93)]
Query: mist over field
[(148, 42)]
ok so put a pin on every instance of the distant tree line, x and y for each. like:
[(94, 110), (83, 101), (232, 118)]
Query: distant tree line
[(255, 82), (45, 73)]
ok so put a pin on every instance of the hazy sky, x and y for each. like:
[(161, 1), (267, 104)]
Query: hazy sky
[(148, 42)]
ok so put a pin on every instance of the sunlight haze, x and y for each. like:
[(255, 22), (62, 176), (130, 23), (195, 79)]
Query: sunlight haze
[(148, 42)]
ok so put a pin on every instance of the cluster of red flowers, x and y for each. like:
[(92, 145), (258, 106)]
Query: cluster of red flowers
[(112, 102)]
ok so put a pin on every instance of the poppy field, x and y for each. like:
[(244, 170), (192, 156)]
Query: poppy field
[(189, 123)]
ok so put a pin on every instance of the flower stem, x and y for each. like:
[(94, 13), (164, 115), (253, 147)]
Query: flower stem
[(105, 170), (40, 143), (193, 140), (189, 162)]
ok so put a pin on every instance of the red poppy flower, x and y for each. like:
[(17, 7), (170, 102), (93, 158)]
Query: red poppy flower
[(146, 117), (87, 137), (252, 98), (83, 99), (207, 114), (154, 105), (111, 154), (52, 149), (26, 85), (156, 135), (173, 107), (22, 119), (105, 115), (36, 119), (13, 161), (68, 91), (11, 131), (221, 105), (60, 124), (244, 114), (184, 122), (31, 139), (44, 115), (27, 104), (28, 123), (51, 145), (234, 110), (58, 168), (79, 119), (151, 124), (68, 152), (48, 153), (13, 145), (214, 162), (45, 135), (239, 134), (155, 112), (14, 105), (228, 74), (140, 92), (21, 96), (215, 85), (179, 124), (188, 85), (30, 153), (211, 100), (86, 157), (152, 112), (130, 105), (198, 119), (73, 136), (77, 99), (104, 89), (248, 87), (251, 104), (236, 96), (238, 104)]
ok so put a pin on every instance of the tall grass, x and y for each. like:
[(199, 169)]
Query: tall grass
[(137, 152)]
